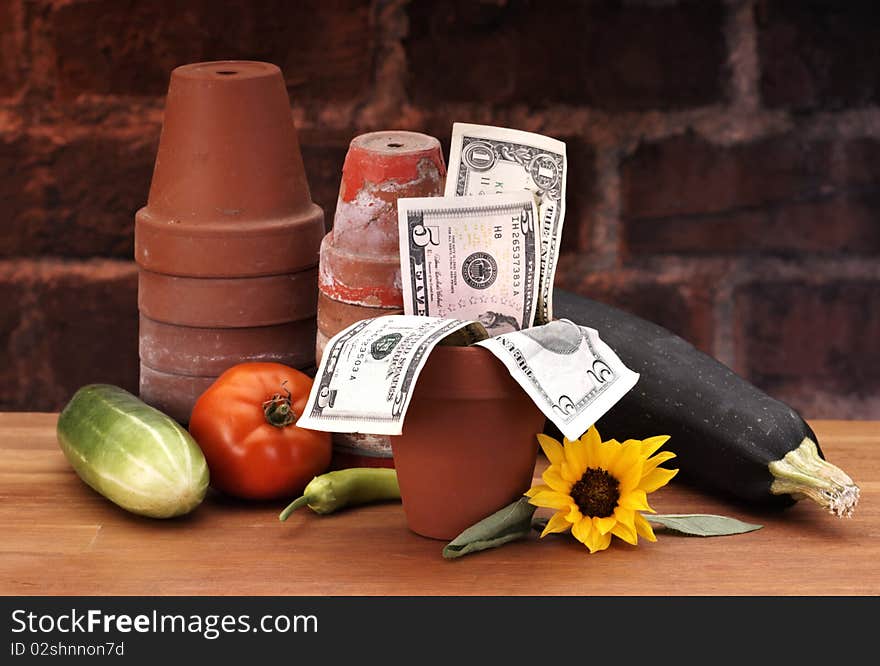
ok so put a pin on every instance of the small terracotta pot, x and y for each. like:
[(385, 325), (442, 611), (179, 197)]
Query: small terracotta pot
[(359, 260), (360, 257), (361, 450), (208, 351), (333, 316), (228, 302), (172, 393), (468, 446), (360, 279)]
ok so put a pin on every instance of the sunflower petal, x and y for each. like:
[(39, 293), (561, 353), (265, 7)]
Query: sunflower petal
[(626, 532), (650, 445), (629, 478), (637, 500), (557, 523), (550, 499), (591, 438), (574, 513), (575, 455), (596, 541), (652, 463), (534, 490), (581, 530), (644, 528), (555, 481), (603, 452), (604, 525), (657, 479), (630, 456), (568, 473), (624, 515), (551, 448)]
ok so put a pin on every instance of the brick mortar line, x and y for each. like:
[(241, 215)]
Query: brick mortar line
[(742, 55), (723, 327), (738, 271), (717, 124), (741, 120), (391, 25), (605, 242), (43, 268)]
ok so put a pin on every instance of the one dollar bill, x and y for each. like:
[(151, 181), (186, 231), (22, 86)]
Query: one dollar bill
[(471, 258), (489, 160)]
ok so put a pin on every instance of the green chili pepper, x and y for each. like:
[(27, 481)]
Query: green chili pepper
[(346, 487)]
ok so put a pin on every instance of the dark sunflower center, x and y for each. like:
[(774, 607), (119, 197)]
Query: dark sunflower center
[(596, 493)]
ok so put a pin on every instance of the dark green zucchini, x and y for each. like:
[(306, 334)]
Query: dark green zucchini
[(730, 437)]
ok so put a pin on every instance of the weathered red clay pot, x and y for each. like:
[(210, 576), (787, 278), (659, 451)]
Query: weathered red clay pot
[(227, 244), (208, 351), (361, 450), (172, 393), (359, 266), (380, 168), (360, 257), (336, 315), (468, 446), (228, 302)]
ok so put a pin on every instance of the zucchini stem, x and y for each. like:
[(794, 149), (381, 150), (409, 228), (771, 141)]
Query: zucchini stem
[(804, 473)]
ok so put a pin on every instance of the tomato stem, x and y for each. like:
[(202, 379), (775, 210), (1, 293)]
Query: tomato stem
[(278, 410)]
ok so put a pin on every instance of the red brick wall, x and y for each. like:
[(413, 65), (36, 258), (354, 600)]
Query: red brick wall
[(724, 178)]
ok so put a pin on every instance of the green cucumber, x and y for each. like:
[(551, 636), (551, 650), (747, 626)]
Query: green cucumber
[(131, 453), (729, 437)]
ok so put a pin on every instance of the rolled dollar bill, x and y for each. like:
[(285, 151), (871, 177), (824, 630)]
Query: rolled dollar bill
[(471, 258), (570, 374), (368, 371), (488, 160)]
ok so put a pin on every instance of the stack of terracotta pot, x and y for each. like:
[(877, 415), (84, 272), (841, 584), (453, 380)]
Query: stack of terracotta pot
[(227, 245), (359, 274)]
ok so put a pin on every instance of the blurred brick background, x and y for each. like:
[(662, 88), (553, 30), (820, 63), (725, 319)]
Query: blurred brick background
[(724, 160)]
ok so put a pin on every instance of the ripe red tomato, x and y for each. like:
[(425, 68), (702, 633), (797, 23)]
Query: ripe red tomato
[(245, 424)]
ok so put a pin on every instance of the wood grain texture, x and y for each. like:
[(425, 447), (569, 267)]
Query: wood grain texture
[(61, 538)]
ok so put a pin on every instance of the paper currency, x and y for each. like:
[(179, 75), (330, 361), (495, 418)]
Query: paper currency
[(368, 370), (570, 374), (488, 160), (471, 258)]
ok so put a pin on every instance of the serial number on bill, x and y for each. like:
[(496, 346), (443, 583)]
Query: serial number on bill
[(62, 649)]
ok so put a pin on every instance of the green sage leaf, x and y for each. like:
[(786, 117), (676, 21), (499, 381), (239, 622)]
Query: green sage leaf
[(701, 524), (505, 525)]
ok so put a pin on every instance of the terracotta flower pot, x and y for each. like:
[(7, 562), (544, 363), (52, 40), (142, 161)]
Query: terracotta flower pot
[(360, 257), (207, 351), (336, 315), (228, 302), (359, 265), (229, 195), (227, 244), (468, 446)]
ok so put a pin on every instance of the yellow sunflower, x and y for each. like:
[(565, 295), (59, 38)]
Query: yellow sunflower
[(598, 488)]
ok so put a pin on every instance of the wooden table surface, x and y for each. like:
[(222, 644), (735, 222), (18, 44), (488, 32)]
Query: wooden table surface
[(61, 538)]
